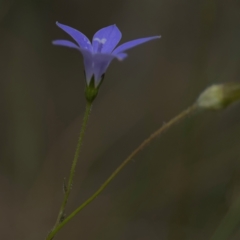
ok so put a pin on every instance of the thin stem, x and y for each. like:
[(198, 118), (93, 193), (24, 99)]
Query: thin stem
[(125, 162), (68, 188)]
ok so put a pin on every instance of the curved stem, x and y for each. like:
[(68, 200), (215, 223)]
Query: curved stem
[(68, 188), (124, 163)]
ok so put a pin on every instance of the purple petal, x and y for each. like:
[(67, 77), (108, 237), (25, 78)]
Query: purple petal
[(88, 64), (80, 38), (101, 63), (133, 43), (65, 43), (96, 64), (120, 56), (106, 39)]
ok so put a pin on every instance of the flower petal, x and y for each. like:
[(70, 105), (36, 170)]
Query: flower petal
[(96, 64), (101, 63), (120, 56), (106, 39), (65, 43), (88, 64), (133, 43), (80, 38)]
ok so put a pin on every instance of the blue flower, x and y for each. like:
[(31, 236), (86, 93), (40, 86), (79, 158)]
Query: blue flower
[(98, 55)]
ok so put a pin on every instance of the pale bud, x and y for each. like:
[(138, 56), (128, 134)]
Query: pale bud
[(219, 96)]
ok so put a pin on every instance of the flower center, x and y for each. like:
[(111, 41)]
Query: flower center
[(100, 43)]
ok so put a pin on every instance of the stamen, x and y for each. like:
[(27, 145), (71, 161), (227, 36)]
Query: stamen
[(103, 40), (100, 43)]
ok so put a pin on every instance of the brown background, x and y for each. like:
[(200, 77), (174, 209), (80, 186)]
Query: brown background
[(182, 185)]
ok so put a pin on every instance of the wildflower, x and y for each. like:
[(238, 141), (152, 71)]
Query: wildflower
[(98, 55)]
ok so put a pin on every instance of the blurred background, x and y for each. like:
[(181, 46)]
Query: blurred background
[(181, 186)]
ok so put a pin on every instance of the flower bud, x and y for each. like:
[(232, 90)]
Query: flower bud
[(219, 96)]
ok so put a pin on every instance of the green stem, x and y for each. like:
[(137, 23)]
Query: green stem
[(68, 188), (125, 162)]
